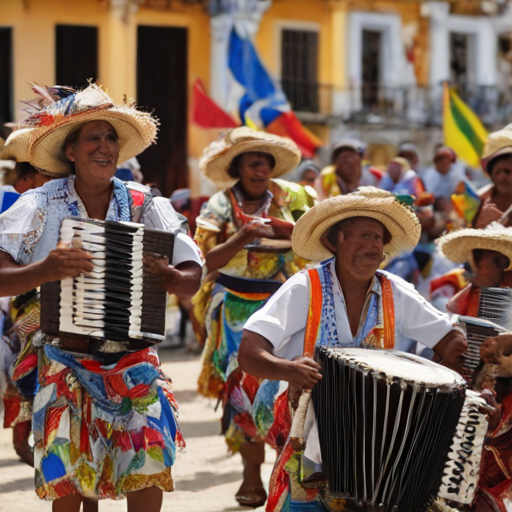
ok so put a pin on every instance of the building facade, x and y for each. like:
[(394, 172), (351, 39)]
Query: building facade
[(366, 68)]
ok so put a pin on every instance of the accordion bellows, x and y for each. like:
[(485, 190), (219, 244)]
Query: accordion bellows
[(386, 421), (119, 300)]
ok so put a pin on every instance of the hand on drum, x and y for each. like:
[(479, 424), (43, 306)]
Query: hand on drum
[(65, 262), (304, 374), (451, 350)]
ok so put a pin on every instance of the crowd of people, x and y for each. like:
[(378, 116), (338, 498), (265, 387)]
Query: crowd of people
[(277, 269)]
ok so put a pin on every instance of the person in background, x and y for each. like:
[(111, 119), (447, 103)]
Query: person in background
[(308, 173), (410, 152), (400, 178), (244, 232), (443, 177), (496, 197), (489, 254), (346, 172)]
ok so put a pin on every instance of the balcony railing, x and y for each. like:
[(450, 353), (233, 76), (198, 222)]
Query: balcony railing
[(377, 104)]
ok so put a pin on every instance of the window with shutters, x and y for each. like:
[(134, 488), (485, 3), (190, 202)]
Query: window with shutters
[(299, 74)]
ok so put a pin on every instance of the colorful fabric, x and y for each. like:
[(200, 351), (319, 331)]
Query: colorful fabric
[(463, 131), (100, 430), (224, 312), (20, 326)]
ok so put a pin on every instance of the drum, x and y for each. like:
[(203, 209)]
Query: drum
[(386, 421)]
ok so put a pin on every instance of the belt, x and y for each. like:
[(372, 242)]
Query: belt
[(244, 285), (89, 345)]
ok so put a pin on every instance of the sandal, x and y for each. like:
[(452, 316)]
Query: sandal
[(253, 497)]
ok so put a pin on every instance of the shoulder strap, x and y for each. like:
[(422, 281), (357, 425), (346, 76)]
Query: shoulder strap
[(388, 310), (314, 312)]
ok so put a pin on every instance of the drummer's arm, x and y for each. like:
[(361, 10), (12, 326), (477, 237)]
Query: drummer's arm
[(256, 358), (451, 350)]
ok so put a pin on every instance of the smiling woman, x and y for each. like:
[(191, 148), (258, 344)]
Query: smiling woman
[(244, 232), (86, 445)]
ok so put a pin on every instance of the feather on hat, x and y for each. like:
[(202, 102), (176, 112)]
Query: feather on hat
[(39, 139)]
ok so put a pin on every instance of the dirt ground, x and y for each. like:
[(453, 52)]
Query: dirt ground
[(205, 477)]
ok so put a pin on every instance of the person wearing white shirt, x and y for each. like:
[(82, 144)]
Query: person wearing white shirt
[(350, 301)]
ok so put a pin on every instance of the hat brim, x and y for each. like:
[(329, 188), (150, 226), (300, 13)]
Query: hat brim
[(135, 134), (402, 224), (216, 168), (459, 245), (503, 151)]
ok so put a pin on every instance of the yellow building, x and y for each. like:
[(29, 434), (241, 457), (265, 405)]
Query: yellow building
[(365, 68)]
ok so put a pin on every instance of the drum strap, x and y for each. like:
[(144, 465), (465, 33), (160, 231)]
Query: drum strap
[(381, 336), (314, 313)]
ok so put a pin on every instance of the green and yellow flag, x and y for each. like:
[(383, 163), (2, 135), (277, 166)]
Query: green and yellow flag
[(463, 131)]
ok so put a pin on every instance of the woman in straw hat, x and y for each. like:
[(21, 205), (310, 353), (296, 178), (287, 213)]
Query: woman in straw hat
[(86, 444), (244, 232), (489, 253), (497, 196), (346, 302)]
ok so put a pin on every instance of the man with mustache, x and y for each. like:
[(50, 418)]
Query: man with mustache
[(346, 301)]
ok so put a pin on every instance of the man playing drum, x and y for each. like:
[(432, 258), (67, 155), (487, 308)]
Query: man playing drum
[(346, 301)]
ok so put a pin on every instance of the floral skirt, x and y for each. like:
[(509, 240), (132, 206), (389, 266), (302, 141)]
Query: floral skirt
[(102, 431), (220, 376)]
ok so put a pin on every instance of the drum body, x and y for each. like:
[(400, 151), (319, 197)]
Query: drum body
[(386, 422)]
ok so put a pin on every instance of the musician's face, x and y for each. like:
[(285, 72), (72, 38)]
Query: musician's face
[(95, 151), (490, 266), (254, 171), (360, 249)]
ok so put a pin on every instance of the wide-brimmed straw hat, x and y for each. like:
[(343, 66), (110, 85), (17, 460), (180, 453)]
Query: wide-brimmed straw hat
[(498, 143), (217, 157), (40, 138), (458, 246), (401, 222)]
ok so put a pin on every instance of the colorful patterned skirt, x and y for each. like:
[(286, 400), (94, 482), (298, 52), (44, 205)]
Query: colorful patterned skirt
[(102, 431), (233, 301)]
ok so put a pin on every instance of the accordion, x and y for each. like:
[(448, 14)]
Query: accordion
[(119, 301), (386, 422)]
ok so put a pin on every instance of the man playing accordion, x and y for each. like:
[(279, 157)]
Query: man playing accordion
[(346, 301)]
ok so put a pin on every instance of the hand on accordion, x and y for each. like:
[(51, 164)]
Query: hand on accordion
[(65, 262)]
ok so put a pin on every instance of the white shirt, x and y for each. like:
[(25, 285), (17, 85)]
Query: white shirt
[(443, 185), (282, 320), (30, 229)]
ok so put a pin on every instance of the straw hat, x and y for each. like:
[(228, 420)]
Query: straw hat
[(40, 138), (217, 157), (401, 222), (458, 246), (498, 143)]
